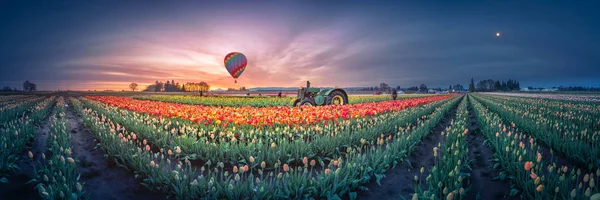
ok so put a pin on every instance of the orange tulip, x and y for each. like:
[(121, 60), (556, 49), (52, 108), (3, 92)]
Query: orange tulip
[(528, 165), (540, 188), (286, 167), (533, 175)]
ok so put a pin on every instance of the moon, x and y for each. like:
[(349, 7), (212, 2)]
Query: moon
[(498, 34)]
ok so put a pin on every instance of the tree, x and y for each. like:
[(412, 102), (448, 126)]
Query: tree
[(497, 86), (28, 86), (159, 86), (472, 86), (133, 86), (458, 87), (196, 87), (384, 86), (485, 85), (423, 88), (6, 88), (150, 88)]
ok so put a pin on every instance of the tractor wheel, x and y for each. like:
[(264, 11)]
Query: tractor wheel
[(307, 102), (296, 102), (337, 98)]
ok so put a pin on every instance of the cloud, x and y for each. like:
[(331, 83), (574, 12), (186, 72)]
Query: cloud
[(289, 43)]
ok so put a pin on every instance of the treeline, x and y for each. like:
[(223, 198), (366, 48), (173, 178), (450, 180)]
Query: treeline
[(172, 86), (578, 88), (8, 89), (494, 85), (420, 88), (380, 87), (238, 89)]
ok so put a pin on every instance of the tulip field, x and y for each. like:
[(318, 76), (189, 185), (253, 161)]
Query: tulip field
[(192, 147)]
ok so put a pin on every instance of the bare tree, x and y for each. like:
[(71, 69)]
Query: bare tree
[(133, 86)]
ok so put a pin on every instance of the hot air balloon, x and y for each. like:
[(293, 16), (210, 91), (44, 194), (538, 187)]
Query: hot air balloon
[(235, 63)]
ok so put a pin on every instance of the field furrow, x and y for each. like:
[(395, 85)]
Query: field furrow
[(483, 184), (399, 181)]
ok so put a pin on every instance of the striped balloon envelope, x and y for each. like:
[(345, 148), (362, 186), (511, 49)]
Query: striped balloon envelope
[(235, 63)]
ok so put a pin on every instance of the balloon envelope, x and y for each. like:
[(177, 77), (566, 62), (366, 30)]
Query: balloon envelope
[(235, 63)]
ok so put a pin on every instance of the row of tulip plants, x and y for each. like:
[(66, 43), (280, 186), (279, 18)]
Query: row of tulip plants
[(56, 176), (446, 179), (568, 114), (582, 147), (10, 99), (262, 116), (221, 101), (581, 97), (17, 133), (18, 108), (520, 158), (257, 179), (271, 144), (259, 101)]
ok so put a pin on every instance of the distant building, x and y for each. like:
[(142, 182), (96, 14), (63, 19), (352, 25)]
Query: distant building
[(531, 89), (29, 86), (432, 91)]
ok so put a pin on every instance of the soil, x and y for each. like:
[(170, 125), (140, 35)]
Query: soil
[(103, 179), (399, 181), (482, 185), (17, 187)]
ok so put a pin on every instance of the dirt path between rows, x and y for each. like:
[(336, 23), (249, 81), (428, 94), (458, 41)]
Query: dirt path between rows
[(482, 185), (17, 187), (103, 179), (399, 181)]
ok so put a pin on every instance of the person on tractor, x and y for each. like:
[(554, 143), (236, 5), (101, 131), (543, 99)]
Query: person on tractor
[(394, 94)]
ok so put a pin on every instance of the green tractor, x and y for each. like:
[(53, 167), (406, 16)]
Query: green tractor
[(316, 97)]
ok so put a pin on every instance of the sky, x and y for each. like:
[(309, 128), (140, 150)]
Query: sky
[(88, 45)]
